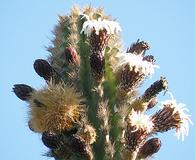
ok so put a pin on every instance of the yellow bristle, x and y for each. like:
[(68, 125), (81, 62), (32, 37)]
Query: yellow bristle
[(60, 108)]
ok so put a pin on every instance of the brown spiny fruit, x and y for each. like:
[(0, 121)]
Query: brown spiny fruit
[(151, 147), (97, 63), (23, 91), (138, 48), (51, 140), (43, 69), (155, 89), (71, 56)]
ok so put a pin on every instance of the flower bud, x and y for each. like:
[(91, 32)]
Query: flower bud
[(51, 140), (71, 55), (43, 69), (23, 91), (151, 147), (155, 89)]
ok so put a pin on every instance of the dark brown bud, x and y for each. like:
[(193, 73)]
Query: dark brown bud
[(138, 48), (97, 63), (151, 147), (134, 139), (51, 140), (155, 89), (71, 56), (43, 69), (23, 91), (78, 144)]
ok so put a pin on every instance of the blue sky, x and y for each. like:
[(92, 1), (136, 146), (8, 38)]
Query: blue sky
[(26, 29)]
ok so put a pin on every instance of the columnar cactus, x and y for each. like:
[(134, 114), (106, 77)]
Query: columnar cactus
[(89, 107)]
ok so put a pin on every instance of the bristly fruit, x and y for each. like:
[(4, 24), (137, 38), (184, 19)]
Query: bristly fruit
[(151, 147), (23, 91)]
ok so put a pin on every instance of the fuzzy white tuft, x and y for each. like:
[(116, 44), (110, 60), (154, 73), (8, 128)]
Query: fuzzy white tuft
[(136, 63), (111, 27)]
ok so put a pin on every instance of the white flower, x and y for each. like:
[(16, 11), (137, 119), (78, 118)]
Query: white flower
[(179, 113), (136, 63), (140, 121), (111, 27)]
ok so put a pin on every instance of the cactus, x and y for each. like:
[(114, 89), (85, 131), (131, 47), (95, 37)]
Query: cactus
[(90, 107)]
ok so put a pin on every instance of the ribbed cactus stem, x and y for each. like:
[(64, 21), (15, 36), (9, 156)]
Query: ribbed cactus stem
[(86, 82)]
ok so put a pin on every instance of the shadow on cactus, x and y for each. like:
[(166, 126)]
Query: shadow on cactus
[(90, 107)]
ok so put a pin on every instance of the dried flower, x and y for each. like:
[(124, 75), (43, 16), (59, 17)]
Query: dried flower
[(172, 116)]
